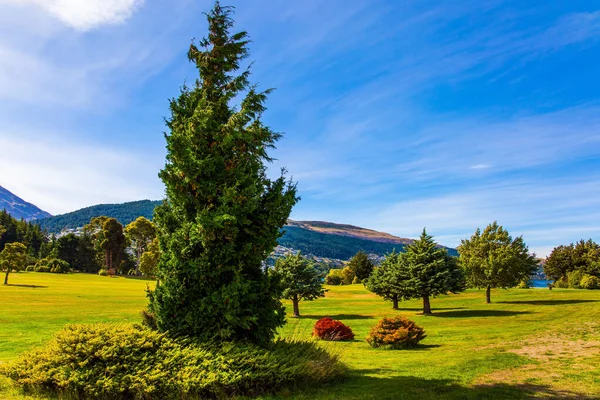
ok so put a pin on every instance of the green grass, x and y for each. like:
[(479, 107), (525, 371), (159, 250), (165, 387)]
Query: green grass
[(528, 343)]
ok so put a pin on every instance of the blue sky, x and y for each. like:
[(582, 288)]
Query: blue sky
[(397, 115)]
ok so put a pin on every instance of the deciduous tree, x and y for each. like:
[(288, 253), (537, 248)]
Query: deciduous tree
[(222, 215), (140, 232), (13, 258), (149, 259), (299, 280), (493, 259)]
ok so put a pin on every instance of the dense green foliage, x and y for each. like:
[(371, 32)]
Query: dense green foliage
[(125, 213), (131, 362), (423, 271), (12, 258), (395, 333), (569, 265), (149, 259), (334, 277), (222, 215), (28, 233), (299, 280), (360, 265), (78, 252), (493, 259), (140, 233), (54, 265)]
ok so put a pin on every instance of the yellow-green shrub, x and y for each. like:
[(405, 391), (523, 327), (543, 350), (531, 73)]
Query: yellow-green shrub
[(395, 333), (132, 362), (590, 282)]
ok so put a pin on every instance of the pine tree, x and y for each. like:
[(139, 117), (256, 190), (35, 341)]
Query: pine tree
[(493, 259), (222, 215), (299, 279), (430, 271), (387, 279)]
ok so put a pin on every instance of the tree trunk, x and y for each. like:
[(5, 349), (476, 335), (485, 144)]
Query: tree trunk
[(395, 300), (295, 301), (426, 306), (6, 277), (488, 293)]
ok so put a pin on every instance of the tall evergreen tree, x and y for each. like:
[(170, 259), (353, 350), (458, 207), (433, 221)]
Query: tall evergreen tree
[(113, 244), (493, 259), (387, 279), (222, 215)]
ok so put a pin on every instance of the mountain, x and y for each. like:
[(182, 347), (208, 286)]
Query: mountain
[(19, 208), (320, 239), (124, 213)]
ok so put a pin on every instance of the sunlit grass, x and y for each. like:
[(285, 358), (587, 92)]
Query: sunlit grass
[(468, 352)]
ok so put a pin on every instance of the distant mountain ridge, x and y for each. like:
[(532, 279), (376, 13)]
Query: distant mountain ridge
[(321, 239), (19, 208)]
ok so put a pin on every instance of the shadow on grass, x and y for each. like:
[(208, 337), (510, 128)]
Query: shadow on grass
[(365, 384), (477, 313), (28, 286), (434, 308), (548, 302), (337, 316)]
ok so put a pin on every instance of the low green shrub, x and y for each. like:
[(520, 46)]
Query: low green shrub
[(574, 279), (395, 333), (334, 277), (590, 282), (108, 361), (102, 272), (30, 268), (524, 284), (561, 284), (53, 265)]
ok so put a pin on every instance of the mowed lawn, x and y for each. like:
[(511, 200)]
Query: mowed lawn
[(528, 343)]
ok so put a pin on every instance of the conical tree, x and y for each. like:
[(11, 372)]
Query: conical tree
[(430, 270), (222, 215)]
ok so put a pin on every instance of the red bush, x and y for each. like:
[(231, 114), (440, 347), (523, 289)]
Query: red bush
[(331, 329)]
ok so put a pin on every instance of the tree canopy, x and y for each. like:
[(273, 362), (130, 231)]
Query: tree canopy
[(299, 279), (140, 232), (493, 259), (360, 265), (13, 258), (222, 215)]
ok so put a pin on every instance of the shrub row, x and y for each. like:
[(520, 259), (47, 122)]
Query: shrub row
[(106, 361), (578, 280), (53, 265), (392, 333)]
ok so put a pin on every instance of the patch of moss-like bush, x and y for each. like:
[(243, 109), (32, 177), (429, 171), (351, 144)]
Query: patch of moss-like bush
[(54, 265), (395, 333), (589, 282), (331, 329), (123, 361), (102, 272)]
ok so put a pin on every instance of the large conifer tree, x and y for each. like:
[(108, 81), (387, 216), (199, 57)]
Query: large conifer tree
[(222, 215)]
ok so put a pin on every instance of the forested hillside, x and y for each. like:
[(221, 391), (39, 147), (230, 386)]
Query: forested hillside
[(124, 213)]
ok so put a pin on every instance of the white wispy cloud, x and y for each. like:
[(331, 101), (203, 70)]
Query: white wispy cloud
[(84, 14)]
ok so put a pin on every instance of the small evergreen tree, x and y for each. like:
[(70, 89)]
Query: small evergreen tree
[(12, 258), (387, 279), (113, 244), (493, 259), (299, 280), (360, 265), (222, 215), (430, 270)]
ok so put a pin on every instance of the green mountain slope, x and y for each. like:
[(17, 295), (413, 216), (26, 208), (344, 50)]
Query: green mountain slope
[(318, 238), (124, 213)]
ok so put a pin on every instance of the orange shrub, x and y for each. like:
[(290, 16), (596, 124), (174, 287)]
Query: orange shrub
[(395, 333), (331, 329)]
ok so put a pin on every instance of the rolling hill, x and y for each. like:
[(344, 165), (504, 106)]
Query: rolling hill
[(317, 238), (19, 208)]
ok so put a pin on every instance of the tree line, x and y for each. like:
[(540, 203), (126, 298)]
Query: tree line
[(574, 265), (103, 246)]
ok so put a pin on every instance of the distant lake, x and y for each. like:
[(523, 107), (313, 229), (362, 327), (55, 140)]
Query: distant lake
[(540, 283)]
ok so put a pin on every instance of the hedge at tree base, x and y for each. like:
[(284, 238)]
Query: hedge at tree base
[(106, 361), (395, 333)]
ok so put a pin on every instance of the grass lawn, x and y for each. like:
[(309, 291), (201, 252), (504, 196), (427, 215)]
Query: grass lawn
[(528, 343)]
